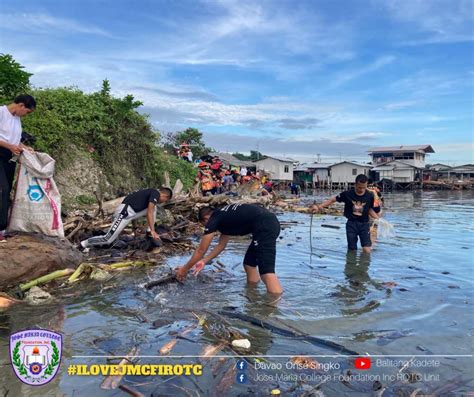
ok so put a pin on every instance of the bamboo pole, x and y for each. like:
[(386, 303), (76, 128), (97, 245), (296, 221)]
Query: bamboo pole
[(46, 279)]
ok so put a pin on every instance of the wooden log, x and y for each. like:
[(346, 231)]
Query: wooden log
[(112, 381), (7, 301), (163, 280), (331, 226), (132, 392), (286, 332)]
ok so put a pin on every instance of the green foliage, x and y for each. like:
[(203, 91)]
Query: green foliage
[(108, 129), (13, 80), (192, 136), (85, 200), (254, 155), (241, 156)]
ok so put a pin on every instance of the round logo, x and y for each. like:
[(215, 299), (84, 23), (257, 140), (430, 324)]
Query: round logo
[(35, 368), (35, 193)]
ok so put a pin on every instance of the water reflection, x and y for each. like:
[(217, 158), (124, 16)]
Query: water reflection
[(358, 283)]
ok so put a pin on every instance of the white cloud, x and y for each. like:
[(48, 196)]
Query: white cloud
[(349, 75), (48, 24), (399, 105), (435, 21)]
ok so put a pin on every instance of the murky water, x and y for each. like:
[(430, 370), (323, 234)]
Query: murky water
[(412, 297)]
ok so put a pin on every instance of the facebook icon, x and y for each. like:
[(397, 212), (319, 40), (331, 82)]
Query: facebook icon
[(241, 365), (241, 377)]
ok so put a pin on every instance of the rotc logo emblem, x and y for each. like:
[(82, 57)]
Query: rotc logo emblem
[(35, 355)]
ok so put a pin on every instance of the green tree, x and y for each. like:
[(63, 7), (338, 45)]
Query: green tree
[(241, 156), (193, 137), (255, 155), (13, 80)]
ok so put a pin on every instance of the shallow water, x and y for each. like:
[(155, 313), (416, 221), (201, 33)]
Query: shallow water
[(329, 294)]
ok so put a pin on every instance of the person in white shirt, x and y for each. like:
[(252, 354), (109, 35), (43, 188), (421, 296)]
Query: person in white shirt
[(10, 145), (190, 156), (243, 171)]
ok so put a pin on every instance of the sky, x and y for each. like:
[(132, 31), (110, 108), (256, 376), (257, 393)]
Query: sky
[(324, 79)]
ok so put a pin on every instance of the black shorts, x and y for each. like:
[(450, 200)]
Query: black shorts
[(361, 230), (262, 249)]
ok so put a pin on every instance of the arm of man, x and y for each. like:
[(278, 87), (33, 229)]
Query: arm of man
[(324, 204), (15, 149), (150, 217), (373, 214), (198, 254), (223, 240)]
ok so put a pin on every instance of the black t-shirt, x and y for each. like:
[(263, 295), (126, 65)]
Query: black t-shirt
[(235, 219), (139, 200), (356, 208)]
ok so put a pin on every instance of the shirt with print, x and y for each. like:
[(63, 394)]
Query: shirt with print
[(10, 127), (356, 208), (139, 200), (235, 219)]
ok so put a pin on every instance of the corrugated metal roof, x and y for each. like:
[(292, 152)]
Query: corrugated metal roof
[(282, 159), (393, 164), (228, 158), (425, 148), (467, 168), (353, 162), (312, 166)]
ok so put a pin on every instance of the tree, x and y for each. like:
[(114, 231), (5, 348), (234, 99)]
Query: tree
[(255, 155), (13, 80), (241, 156), (192, 137)]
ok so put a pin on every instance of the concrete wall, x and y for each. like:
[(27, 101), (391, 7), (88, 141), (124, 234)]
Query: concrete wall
[(276, 169), (344, 172), (321, 174), (399, 174)]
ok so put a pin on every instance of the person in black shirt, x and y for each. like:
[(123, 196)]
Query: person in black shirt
[(136, 205), (239, 220), (358, 205)]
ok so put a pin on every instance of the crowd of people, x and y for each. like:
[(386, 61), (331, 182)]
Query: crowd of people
[(215, 177)]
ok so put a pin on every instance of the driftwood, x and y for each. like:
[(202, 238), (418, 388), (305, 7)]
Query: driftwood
[(331, 226), (7, 301), (129, 390), (286, 332), (163, 280), (112, 381)]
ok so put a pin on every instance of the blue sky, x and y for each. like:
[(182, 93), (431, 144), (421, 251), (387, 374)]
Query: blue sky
[(291, 78)]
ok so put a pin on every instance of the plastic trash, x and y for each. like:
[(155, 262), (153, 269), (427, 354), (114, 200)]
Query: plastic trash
[(242, 343), (384, 228)]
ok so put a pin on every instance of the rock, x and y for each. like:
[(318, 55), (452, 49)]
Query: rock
[(36, 296), (99, 275), (25, 257), (242, 343)]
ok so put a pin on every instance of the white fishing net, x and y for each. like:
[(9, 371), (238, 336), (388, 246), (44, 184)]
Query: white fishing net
[(384, 228)]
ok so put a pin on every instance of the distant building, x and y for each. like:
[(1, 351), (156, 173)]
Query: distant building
[(460, 173), (438, 167), (396, 171), (433, 172), (346, 171), (409, 154), (279, 169), (312, 174)]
